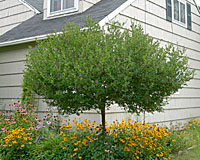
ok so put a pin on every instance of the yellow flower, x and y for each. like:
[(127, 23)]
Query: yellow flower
[(64, 148), (29, 142), (79, 157), (76, 149), (14, 142), (157, 155), (22, 145), (25, 138), (122, 140), (73, 155)]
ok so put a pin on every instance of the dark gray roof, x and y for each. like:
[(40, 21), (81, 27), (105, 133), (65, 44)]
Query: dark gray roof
[(38, 4), (36, 26)]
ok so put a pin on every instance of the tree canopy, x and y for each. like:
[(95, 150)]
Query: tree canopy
[(83, 69)]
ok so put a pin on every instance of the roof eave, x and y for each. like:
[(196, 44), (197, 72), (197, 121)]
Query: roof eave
[(103, 22), (24, 40)]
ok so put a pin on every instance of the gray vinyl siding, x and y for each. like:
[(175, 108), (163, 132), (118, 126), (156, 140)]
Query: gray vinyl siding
[(151, 14), (12, 13), (12, 60)]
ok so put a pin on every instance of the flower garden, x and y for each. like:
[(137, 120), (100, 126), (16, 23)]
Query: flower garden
[(24, 136)]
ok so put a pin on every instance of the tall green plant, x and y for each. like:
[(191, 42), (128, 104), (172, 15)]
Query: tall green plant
[(87, 69)]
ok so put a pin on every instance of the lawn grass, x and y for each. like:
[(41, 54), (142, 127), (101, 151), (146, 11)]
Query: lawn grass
[(193, 154), (189, 138)]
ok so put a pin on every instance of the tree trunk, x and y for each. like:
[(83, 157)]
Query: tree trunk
[(103, 119)]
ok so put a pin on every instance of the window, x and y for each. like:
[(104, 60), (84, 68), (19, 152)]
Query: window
[(178, 11), (56, 7)]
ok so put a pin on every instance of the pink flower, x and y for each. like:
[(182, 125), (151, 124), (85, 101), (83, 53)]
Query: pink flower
[(108, 151), (53, 127), (30, 128), (36, 118), (25, 113), (38, 127), (19, 107), (32, 122), (12, 122), (34, 109), (48, 122), (29, 133), (43, 126), (95, 138), (113, 146), (4, 130), (106, 143)]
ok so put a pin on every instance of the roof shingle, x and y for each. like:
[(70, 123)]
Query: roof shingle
[(38, 4), (36, 26)]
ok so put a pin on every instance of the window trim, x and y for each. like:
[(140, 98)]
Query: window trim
[(62, 11), (179, 22)]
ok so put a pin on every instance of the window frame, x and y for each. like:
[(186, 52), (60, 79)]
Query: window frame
[(62, 11), (179, 21)]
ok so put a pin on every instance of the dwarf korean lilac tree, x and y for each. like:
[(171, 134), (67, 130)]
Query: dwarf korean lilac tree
[(92, 68)]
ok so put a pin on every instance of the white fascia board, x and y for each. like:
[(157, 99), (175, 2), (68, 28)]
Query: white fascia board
[(101, 23), (30, 6), (115, 12), (26, 40), (30, 39)]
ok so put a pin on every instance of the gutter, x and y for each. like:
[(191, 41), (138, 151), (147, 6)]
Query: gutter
[(26, 40)]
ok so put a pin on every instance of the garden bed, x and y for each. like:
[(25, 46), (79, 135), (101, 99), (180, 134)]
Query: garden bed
[(24, 136)]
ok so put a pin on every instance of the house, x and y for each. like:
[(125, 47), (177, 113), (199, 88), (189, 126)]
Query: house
[(169, 21)]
